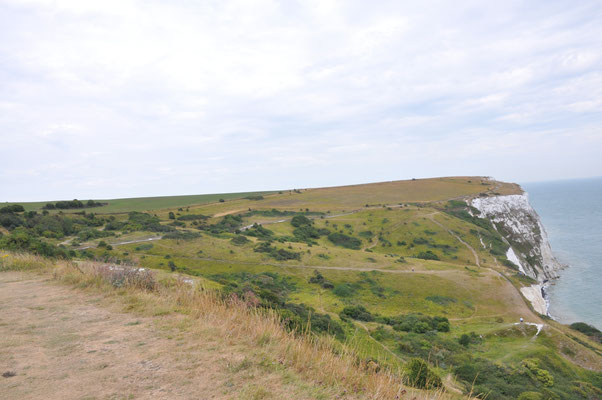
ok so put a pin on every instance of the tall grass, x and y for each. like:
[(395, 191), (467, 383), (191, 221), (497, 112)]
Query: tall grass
[(319, 359)]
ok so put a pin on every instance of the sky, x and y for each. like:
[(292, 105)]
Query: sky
[(118, 98)]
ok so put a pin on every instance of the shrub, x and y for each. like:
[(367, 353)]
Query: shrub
[(317, 277), (181, 235), (239, 240), (421, 376), (171, 215), (300, 220), (259, 231), (420, 241), (87, 234), (298, 317), (417, 323), (427, 255), (306, 233), (588, 330), (13, 208), (230, 223), (278, 254), (542, 375), (343, 290), (10, 221), (349, 242), (357, 312)]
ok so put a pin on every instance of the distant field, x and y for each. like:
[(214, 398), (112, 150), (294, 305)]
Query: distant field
[(394, 192), (330, 198), (149, 203)]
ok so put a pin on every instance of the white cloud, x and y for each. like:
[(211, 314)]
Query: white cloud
[(236, 95)]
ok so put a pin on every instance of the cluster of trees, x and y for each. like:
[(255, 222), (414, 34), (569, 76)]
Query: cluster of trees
[(417, 323), (23, 241), (305, 231), (71, 204), (138, 221), (259, 232), (13, 208), (50, 226), (230, 223)]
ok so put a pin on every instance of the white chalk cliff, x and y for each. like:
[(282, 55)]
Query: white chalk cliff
[(518, 223)]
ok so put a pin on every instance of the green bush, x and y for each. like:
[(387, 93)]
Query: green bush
[(13, 208), (305, 233), (343, 290), (278, 254), (22, 241), (420, 241), (588, 330), (259, 232), (357, 312), (239, 240), (421, 376), (319, 279), (427, 255), (182, 235), (343, 240), (300, 220), (417, 323), (230, 223)]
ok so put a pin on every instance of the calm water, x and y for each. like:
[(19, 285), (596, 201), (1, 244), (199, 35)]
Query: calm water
[(571, 212)]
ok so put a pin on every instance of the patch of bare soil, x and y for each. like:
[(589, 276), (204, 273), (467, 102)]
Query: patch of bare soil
[(57, 342)]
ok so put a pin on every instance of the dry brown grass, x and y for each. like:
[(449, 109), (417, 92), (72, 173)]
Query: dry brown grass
[(320, 360)]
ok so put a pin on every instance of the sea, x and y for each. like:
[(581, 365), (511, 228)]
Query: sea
[(571, 212)]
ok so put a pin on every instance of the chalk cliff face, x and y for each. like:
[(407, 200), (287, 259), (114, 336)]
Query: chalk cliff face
[(519, 224)]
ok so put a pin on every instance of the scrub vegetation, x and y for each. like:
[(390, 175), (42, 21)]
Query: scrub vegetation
[(404, 276)]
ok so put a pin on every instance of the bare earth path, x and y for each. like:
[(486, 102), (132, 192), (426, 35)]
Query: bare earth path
[(63, 343)]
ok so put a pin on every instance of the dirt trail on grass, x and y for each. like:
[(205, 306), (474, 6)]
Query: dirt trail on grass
[(63, 343)]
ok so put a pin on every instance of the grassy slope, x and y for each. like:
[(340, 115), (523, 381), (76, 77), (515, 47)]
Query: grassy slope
[(481, 300), (202, 344), (335, 198)]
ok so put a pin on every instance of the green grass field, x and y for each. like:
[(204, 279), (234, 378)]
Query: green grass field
[(147, 203)]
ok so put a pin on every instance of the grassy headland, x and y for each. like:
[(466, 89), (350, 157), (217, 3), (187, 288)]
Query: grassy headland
[(396, 271)]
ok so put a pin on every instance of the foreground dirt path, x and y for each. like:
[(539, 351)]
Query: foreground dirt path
[(62, 343)]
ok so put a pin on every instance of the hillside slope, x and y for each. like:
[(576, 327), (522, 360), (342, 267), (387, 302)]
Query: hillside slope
[(397, 270)]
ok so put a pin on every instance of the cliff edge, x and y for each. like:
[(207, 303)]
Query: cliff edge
[(529, 249)]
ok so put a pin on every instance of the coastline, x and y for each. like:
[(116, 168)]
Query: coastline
[(572, 214)]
